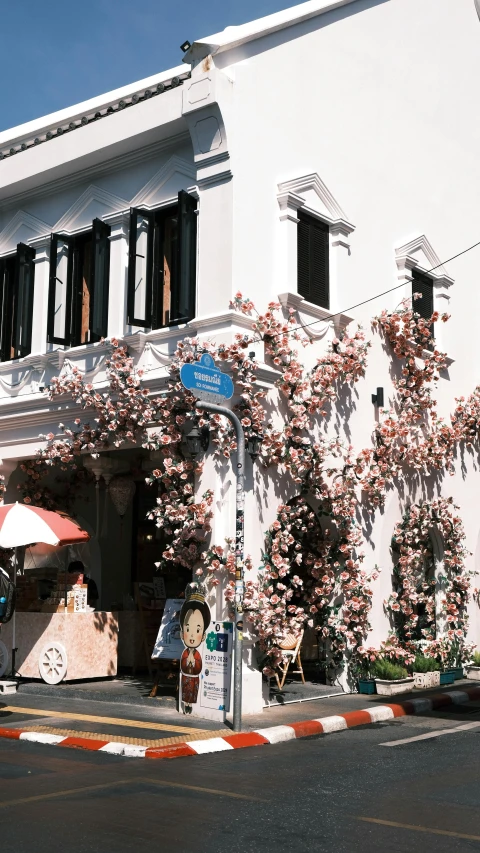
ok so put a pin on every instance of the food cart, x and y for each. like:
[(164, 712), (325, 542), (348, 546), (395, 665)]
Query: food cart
[(54, 634), (61, 646)]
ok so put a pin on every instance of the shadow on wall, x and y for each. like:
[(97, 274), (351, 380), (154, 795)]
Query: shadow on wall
[(103, 622)]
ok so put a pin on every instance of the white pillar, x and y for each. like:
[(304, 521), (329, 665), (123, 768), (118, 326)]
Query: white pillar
[(117, 294), (40, 294), (206, 97)]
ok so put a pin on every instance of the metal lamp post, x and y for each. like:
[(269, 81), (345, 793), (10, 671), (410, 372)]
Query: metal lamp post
[(239, 545)]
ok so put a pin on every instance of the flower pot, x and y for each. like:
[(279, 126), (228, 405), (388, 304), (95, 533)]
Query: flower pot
[(446, 678), (426, 679), (391, 688), (366, 685), (473, 672), (457, 672)]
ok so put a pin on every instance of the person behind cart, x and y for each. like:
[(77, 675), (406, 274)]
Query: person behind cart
[(76, 566)]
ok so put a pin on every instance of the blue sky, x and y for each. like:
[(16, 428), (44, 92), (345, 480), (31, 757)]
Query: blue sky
[(58, 52)]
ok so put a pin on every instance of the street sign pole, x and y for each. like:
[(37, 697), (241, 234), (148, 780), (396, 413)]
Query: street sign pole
[(239, 556), (213, 387)]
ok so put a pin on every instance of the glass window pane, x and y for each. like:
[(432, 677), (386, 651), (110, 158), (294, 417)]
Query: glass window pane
[(169, 262), (60, 302), (140, 289)]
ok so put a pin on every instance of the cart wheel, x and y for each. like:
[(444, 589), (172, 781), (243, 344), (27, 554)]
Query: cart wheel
[(3, 658), (52, 663)]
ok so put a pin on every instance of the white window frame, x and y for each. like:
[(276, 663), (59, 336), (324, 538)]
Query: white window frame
[(419, 254), (310, 194)]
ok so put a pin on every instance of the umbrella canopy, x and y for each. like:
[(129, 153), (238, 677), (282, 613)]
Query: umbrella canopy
[(23, 525)]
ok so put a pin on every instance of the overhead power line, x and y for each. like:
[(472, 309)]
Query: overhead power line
[(370, 299), (357, 305)]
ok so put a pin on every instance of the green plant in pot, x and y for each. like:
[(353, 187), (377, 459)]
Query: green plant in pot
[(391, 678), (473, 669), (363, 674), (423, 664), (426, 671), (454, 662)]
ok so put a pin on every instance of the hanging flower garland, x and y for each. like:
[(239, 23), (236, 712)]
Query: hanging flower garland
[(311, 577), (416, 586), (409, 433)]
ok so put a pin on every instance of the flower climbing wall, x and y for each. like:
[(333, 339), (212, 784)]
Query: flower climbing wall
[(312, 570)]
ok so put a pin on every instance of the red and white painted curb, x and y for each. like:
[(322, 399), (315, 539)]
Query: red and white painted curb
[(259, 737)]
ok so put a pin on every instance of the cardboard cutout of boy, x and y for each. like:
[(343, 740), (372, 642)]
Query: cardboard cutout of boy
[(194, 620)]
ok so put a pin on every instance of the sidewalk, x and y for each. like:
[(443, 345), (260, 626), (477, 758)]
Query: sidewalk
[(117, 716)]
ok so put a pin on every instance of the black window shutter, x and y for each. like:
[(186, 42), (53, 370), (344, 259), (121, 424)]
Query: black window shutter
[(157, 269), (4, 306), (183, 292), (421, 283), (99, 283), (140, 261), (23, 313), (60, 291), (313, 273)]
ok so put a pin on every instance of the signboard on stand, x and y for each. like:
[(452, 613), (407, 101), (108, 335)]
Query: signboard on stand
[(217, 667), (168, 644)]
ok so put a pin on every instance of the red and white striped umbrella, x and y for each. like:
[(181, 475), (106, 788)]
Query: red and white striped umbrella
[(23, 525)]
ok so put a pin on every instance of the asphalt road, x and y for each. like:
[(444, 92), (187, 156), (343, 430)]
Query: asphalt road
[(335, 793)]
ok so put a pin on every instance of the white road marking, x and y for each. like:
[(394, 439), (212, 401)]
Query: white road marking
[(215, 744), (130, 750), (41, 737), (379, 713), (332, 724), (277, 734), (428, 735)]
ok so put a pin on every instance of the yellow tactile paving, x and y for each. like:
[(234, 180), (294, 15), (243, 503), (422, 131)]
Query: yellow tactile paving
[(199, 734), (111, 721)]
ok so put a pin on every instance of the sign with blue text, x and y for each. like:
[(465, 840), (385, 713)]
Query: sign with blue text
[(217, 667), (205, 381)]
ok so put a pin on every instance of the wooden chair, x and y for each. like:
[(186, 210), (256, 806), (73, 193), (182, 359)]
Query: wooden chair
[(290, 656)]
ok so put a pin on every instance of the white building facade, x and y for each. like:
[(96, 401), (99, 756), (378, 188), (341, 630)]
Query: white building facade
[(319, 157)]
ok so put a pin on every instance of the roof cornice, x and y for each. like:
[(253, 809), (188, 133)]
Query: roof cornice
[(234, 36)]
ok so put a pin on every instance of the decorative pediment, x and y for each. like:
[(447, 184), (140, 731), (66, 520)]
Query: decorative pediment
[(175, 175), (312, 193), (420, 253), (22, 228), (94, 202)]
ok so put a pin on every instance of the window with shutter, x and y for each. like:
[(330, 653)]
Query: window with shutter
[(100, 275), (139, 307), (60, 290), (424, 306), (183, 297), (23, 309), (78, 291), (7, 290), (16, 303), (162, 265), (313, 260)]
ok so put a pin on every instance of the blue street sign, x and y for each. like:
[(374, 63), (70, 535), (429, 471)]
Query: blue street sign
[(205, 381)]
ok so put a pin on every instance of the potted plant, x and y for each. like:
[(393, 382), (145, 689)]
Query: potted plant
[(454, 662), (391, 678), (473, 669), (362, 672), (449, 654), (426, 672), (366, 685)]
